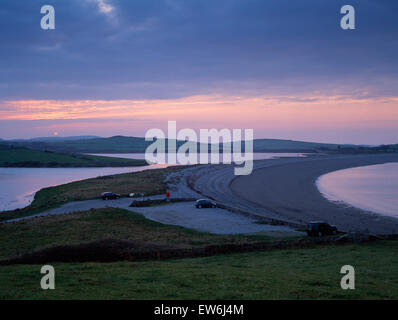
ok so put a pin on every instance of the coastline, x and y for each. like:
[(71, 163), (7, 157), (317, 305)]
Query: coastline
[(289, 190), (283, 190), (350, 191)]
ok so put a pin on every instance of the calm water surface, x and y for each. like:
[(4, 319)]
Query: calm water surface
[(372, 188), (256, 156), (19, 185)]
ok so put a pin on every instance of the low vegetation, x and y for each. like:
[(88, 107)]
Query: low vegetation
[(282, 274), (278, 274), (109, 223)]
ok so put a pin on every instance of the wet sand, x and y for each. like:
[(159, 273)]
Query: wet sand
[(289, 190)]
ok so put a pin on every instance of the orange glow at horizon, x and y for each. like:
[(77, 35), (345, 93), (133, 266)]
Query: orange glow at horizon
[(217, 110)]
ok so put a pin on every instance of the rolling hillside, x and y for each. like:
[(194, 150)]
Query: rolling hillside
[(122, 144), (21, 157)]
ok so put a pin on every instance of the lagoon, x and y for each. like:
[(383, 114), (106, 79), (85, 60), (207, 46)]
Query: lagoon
[(19, 185), (371, 188)]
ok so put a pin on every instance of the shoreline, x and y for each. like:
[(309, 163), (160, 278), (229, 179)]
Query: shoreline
[(58, 177), (290, 191), (344, 200), (283, 190)]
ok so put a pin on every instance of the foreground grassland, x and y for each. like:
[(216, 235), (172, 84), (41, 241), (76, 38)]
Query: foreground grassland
[(102, 224), (282, 274), (149, 181), (278, 274), (20, 157)]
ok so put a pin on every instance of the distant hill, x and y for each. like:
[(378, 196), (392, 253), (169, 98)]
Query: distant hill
[(11, 156), (54, 139), (116, 144), (277, 145), (122, 144)]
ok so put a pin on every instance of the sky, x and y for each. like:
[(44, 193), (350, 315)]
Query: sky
[(121, 67)]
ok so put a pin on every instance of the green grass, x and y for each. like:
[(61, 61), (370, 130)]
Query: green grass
[(284, 274), (101, 224), (279, 274), (20, 157)]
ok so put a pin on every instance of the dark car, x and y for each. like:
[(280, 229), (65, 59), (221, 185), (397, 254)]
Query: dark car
[(203, 203), (110, 196), (320, 228)]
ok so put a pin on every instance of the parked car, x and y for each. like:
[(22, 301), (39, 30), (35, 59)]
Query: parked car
[(320, 228), (203, 203), (110, 196)]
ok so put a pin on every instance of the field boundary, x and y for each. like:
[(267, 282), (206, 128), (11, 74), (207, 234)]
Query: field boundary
[(113, 250)]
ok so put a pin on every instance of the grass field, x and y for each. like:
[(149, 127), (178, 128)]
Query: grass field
[(284, 274), (149, 181), (20, 157), (278, 274), (109, 223)]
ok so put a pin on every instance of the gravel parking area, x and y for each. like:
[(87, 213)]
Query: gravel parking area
[(184, 214), (214, 220)]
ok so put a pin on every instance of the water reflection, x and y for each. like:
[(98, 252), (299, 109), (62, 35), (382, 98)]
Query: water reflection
[(18, 185), (372, 188)]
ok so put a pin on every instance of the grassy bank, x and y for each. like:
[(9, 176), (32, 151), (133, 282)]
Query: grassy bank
[(149, 181), (285, 274), (84, 227), (279, 274), (26, 158)]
